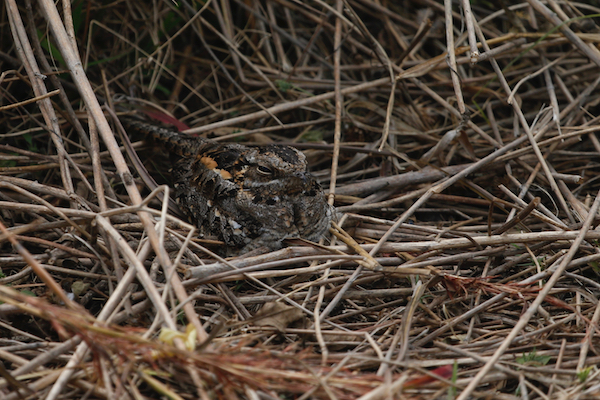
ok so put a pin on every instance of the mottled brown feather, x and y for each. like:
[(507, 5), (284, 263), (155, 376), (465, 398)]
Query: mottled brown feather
[(247, 196)]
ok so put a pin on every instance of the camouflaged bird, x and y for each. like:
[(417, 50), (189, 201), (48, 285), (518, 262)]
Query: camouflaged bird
[(247, 196)]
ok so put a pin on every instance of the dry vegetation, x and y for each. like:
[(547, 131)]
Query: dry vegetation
[(464, 263)]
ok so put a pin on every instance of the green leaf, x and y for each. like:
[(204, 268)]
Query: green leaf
[(533, 358), (312, 136), (7, 164), (583, 374), (78, 15), (163, 89), (454, 379), (29, 139), (49, 47), (282, 85)]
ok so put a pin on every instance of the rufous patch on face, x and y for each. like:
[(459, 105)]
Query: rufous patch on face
[(209, 162), (240, 173), (224, 174)]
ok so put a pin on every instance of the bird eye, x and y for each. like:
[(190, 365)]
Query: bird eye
[(264, 170)]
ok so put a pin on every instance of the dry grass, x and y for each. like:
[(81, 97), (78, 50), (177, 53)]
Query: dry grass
[(465, 261)]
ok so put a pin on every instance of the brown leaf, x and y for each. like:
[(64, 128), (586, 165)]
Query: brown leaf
[(278, 315)]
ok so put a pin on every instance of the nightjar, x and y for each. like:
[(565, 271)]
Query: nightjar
[(247, 196)]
